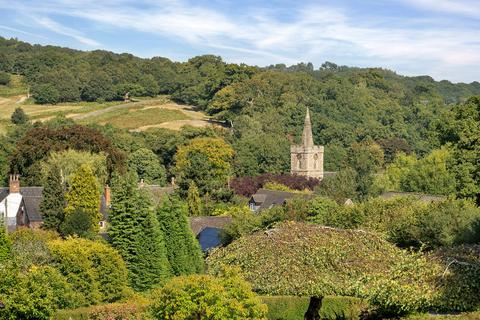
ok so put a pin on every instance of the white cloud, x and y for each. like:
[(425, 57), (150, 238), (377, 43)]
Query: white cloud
[(51, 25), (311, 32)]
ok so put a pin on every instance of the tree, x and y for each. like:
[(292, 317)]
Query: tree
[(340, 187), (83, 194), (45, 93), (207, 162), (183, 250), (193, 200), (53, 200), (5, 245), (135, 232), (311, 260), (78, 223), (66, 162), (147, 166), (463, 133), (4, 78), (98, 86), (150, 85), (19, 116), (207, 297)]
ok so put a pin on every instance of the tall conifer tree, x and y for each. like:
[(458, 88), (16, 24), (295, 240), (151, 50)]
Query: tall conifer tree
[(193, 200), (84, 194), (53, 200), (135, 232), (183, 250)]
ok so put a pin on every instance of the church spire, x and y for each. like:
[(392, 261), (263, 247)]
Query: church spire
[(307, 136)]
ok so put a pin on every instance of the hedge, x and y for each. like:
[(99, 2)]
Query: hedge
[(294, 308)]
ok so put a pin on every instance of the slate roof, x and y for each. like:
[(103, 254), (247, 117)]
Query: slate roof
[(198, 224), (419, 196), (265, 199)]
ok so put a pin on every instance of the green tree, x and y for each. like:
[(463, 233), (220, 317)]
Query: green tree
[(147, 166), (4, 78), (463, 133), (83, 194), (150, 85), (5, 245), (19, 116), (53, 200), (193, 200), (78, 223), (98, 86), (205, 297), (135, 232), (272, 262), (183, 250), (45, 93), (207, 162)]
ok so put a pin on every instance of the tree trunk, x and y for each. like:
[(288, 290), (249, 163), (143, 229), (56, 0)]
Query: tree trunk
[(313, 312)]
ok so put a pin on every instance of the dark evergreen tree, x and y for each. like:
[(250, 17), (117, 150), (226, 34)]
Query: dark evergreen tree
[(53, 200), (78, 223), (183, 250), (19, 116), (135, 232)]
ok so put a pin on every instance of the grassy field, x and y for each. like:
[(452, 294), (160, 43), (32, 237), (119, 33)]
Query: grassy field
[(141, 115)]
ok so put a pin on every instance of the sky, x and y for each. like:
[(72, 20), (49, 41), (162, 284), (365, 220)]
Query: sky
[(440, 38)]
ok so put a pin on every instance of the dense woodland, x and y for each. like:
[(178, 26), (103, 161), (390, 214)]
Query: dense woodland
[(381, 132)]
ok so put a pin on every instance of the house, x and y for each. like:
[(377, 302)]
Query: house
[(208, 230), (418, 196), (20, 206)]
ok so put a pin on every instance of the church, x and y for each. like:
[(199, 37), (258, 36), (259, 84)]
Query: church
[(306, 159)]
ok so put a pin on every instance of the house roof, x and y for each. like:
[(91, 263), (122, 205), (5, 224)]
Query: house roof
[(198, 224), (419, 196), (265, 198)]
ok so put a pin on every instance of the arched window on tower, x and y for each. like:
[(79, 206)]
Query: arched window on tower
[(300, 162), (315, 161)]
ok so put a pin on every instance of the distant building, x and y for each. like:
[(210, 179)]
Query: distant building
[(20, 206), (306, 159), (266, 199)]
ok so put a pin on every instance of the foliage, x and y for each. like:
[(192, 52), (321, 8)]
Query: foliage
[(183, 250), (193, 200), (4, 78), (430, 175), (83, 195), (5, 245), (207, 297), (36, 294), (285, 307), (78, 223), (463, 132), (19, 116), (68, 161), (339, 187), (459, 286), (147, 166), (30, 247), (53, 199), (46, 94), (247, 186), (41, 140), (92, 268), (207, 162), (135, 232), (309, 260)]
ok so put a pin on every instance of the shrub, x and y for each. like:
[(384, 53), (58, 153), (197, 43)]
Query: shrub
[(78, 223), (36, 294), (19, 116), (93, 268), (4, 78), (247, 186), (46, 93), (29, 247), (348, 308), (459, 285), (5, 244), (285, 307), (207, 297)]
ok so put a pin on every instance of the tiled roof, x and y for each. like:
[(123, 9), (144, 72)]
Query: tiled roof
[(197, 224)]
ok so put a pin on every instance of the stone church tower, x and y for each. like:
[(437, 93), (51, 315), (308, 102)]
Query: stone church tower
[(307, 158)]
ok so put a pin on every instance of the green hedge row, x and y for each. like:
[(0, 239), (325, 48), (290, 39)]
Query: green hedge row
[(293, 308)]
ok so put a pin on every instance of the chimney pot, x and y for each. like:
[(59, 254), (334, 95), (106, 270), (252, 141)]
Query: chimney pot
[(14, 183)]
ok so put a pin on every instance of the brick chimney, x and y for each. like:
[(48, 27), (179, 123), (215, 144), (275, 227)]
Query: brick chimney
[(14, 183), (106, 194)]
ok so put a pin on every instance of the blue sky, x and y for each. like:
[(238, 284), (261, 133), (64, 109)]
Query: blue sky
[(440, 38)]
